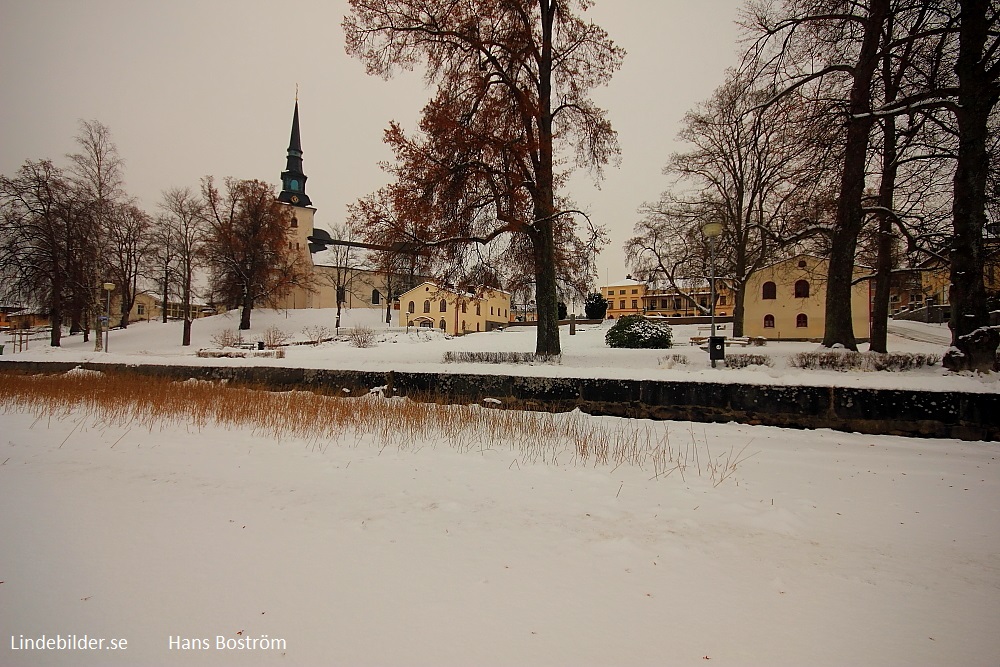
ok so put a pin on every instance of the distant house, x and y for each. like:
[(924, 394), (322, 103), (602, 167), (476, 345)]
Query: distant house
[(430, 306), (787, 300), (148, 307), (19, 317)]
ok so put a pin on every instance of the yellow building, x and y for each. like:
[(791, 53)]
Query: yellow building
[(631, 297), (787, 301), (624, 298), (456, 313)]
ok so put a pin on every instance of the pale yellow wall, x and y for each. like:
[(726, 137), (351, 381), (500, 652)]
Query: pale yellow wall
[(786, 306), (624, 298), (462, 313)]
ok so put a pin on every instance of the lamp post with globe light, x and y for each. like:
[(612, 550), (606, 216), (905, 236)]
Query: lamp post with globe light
[(712, 230)]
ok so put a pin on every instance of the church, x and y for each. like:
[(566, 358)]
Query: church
[(334, 266), (345, 268)]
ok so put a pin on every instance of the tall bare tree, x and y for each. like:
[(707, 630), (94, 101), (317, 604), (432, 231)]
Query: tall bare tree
[(44, 240), (128, 239), (747, 168), (97, 171), (513, 79), (247, 248), (184, 233)]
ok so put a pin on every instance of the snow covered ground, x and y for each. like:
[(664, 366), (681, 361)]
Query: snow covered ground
[(823, 548), (584, 355)]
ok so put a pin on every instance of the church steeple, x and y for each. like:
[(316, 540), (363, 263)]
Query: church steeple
[(293, 181)]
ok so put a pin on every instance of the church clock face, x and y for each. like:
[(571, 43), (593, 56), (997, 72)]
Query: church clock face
[(295, 199)]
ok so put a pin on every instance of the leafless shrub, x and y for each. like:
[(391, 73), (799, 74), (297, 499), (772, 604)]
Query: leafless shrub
[(316, 334), (228, 338), (361, 337), (274, 337), (672, 360), (743, 360), (863, 361), (500, 358), (220, 354)]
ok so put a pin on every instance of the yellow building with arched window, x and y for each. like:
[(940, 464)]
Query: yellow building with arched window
[(787, 300), (430, 306)]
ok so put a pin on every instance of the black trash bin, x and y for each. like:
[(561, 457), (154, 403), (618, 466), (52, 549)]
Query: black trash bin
[(716, 348), (260, 345)]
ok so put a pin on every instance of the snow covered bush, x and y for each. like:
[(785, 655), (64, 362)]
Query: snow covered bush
[(316, 334), (843, 360), (635, 331), (744, 360)]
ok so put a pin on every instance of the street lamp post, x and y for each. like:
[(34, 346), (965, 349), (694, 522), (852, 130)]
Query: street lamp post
[(108, 287), (712, 230)]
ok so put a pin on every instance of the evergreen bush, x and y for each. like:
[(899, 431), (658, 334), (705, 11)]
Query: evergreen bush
[(635, 331)]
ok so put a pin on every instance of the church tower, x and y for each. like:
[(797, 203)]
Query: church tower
[(293, 194), (293, 181)]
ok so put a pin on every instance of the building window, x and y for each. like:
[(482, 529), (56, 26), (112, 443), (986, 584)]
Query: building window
[(443, 306), (411, 308), (801, 289), (621, 305), (620, 292), (427, 306), (635, 304), (722, 299), (295, 223), (479, 309), (802, 263), (442, 324), (704, 302), (769, 321), (770, 291), (376, 297), (677, 304), (140, 309), (801, 321), (635, 291), (464, 310)]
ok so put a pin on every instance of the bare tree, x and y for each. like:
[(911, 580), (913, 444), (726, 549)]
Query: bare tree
[(96, 170), (341, 264), (185, 231), (513, 79), (747, 168), (128, 242), (44, 239), (247, 247)]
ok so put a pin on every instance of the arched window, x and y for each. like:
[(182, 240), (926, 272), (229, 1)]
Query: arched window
[(443, 306), (769, 321), (442, 324), (770, 291), (801, 289), (801, 320), (479, 309), (411, 308), (427, 306), (295, 222), (376, 297), (464, 307)]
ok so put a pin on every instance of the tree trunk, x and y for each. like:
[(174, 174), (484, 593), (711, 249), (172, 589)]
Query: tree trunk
[(55, 317), (850, 217), (973, 345), (883, 270), (166, 293), (546, 298), (245, 314), (99, 325), (739, 299), (186, 306)]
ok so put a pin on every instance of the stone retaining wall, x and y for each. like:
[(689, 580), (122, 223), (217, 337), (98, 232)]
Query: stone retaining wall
[(963, 415)]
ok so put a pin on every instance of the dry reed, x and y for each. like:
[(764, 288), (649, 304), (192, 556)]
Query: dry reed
[(398, 423)]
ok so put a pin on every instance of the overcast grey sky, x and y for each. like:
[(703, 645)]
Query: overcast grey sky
[(196, 87)]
